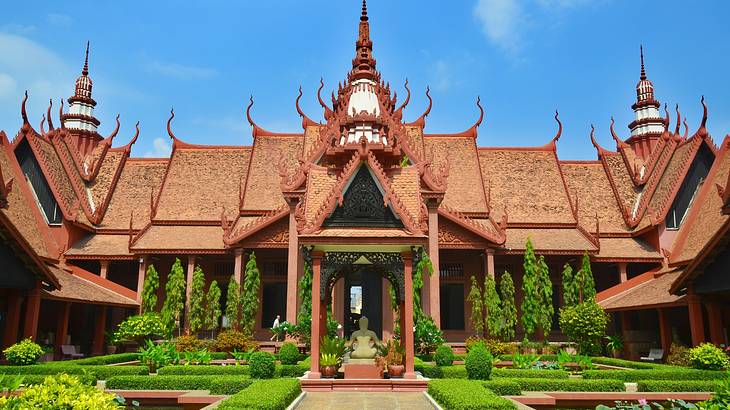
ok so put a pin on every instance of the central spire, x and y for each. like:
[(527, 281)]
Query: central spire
[(363, 65)]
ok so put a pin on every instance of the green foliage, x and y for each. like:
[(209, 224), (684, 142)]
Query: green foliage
[(570, 295), (529, 373), (175, 297), (615, 342), (659, 373), (304, 316), (61, 392), (332, 345), (444, 356), (503, 387), (477, 312), (466, 395), (678, 385), (10, 382), (524, 361), (391, 352), (509, 309), (140, 328), (264, 395), (554, 384), (187, 344), (198, 357), (250, 295), (479, 362), (708, 357), (427, 336), (495, 346), (216, 384), (212, 306), (155, 356), (289, 353), (546, 309), (678, 355), (584, 283), (721, 398), (327, 359), (424, 266), (262, 365), (495, 321), (404, 161), (201, 370), (230, 340), (570, 361), (99, 360), (197, 295), (23, 353), (530, 298), (629, 364), (585, 324), (149, 291), (232, 309)]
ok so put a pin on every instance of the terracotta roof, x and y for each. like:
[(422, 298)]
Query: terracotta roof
[(415, 139), (85, 287), (101, 185), (645, 291), (620, 178), (311, 138), (54, 172), (406, 184), (263, 190), (589, 185), (626, 250), (97, 246), (567, 241), (200, 182), (528, 183), (320, 183), (179, 238), (138, 181), (361, 233), (464, 189)]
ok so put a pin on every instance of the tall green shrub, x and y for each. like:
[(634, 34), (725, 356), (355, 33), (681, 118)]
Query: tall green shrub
[(530, 299), (175, 296), (304, 317), (545, 297), (424, 266), (494, 307), (584, 281), (250, 295), (509, 309), (232, 308), (479, 362), (585, 324), (570, 296), (212, 306), (197, 296), (149, 291), (477, 313)]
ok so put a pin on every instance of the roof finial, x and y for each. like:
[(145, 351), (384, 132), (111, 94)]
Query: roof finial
[(643, 71), (364, 16), (85, 71)]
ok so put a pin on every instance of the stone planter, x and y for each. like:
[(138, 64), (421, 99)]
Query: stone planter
[(328, 372), (396, 371)]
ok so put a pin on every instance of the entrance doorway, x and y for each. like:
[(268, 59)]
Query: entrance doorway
[(363, 297)]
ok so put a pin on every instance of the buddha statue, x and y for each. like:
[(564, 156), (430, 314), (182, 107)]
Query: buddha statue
[(364, 341)]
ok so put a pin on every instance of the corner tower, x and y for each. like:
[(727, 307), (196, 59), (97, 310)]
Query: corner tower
[(79, 121), (648, 124)]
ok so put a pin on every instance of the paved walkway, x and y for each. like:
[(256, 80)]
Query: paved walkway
[(364, 400)]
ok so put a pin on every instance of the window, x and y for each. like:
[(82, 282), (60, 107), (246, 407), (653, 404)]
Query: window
[(452, 306), (687, 191), (43, 194)]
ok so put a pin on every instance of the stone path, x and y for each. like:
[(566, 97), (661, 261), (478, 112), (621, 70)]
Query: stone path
[(364, 400)]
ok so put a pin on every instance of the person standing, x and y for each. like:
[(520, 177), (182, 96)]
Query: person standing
[(275, 329)]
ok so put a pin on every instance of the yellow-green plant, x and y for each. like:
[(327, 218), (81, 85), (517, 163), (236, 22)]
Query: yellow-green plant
[(61, 392), (23, 353)]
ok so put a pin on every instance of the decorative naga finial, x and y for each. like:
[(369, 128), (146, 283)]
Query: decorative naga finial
[(60, 115), (23, 113), (679, 120), (481, 113), (619, 142), (50, 120), (306, 121), (114, 133), (703, 124), (593, 139), (327, 110), (408, 98), (248, 111), (85, 70), (560, 128), (169, 123)]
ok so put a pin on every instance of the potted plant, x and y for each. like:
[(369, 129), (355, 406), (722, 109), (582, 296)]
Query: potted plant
[(331, 351), (615, 345), (328, 364), (390, 356)]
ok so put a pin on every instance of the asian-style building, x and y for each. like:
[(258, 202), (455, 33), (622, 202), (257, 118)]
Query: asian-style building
[(356, 196)]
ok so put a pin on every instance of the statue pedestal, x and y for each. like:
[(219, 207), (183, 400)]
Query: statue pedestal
[(362, 369)]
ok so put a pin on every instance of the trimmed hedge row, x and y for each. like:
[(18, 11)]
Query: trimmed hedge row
[(610, 361), (293, 370), (107, 359), (466, 395), (100, 372), (215, 384), (602, 385), (503, 387), (275, 394), (668, 373), (442, 372), (530, 373), (679, 385), (29, 379)]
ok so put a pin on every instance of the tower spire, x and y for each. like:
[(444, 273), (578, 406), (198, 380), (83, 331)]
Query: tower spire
[(643, 71), (363, 65), (85, 70)]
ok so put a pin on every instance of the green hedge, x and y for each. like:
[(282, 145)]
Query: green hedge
[(108, 359), (215, 384), (200, 370), (679, 385), (29, 379), (275, 394), (603, 385), (503, 387), (466, 395), (291, 370), (97, 371), (530, 373), (668, 373), (442, 372), (609, 361)]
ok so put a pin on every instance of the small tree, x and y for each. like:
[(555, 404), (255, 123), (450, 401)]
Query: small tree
[(197, 296), (584, 281), (585, 324), (250, 295), (424, 266), (494, 307), (530, 298), (545, 296), (304, 317), (570, 297), (149, 291), (232, 299), (175, 296), (509, 310), (212, 306), (477, 312)]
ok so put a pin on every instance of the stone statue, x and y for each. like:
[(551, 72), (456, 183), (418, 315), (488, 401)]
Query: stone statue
[(364, 341)]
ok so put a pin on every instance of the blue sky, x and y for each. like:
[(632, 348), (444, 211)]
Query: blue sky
[(525, 58)]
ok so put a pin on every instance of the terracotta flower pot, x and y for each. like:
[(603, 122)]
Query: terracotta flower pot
[(328, 372), (396, 370)]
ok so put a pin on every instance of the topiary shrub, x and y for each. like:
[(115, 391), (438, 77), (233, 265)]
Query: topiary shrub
[(444, 356), (230, 340), (585, 324), (678, 355), (708, 357), (140, 328), (479, 362), (23, 353), (61, 392), (188, 344), (289, 353), (262, 365)]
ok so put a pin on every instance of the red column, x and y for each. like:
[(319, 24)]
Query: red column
[(625, 328), (62, 327), (338, 304), (97, 347), (140, 277), (316, 312), (188, 291), (292, 268), (665, 331), (12, 321), (387, 310), (433, 282), (238, 266), (407, 327), (104, 268), (32, 311), (623, 276), (714, 315), (696, 321)]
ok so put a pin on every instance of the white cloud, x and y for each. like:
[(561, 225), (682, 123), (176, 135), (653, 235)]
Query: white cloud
[(441, 76), (161, 148), (61, 20), (180, 71), (7, 85), (16, 28), (501, 22)]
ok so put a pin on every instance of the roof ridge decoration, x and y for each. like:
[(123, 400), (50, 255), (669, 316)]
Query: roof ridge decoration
[(421, 120), (306, 121), (176, 142), (231, 237), (498, 237)]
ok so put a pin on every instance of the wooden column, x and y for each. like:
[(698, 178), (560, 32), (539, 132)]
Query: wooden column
[(623, 276), (387, 311), (238, 265), (665, 331), (12, 320), (32, 311), (140, 277), (62, 327), (338, 304), (292, 268), (188, 291), (407, 327), (714, 316), (696, 321), (314, 372), (433, 284), (104, 268), (97, 346)]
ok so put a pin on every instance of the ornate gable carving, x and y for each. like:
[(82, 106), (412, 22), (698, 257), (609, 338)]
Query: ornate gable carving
[(453, 236)]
